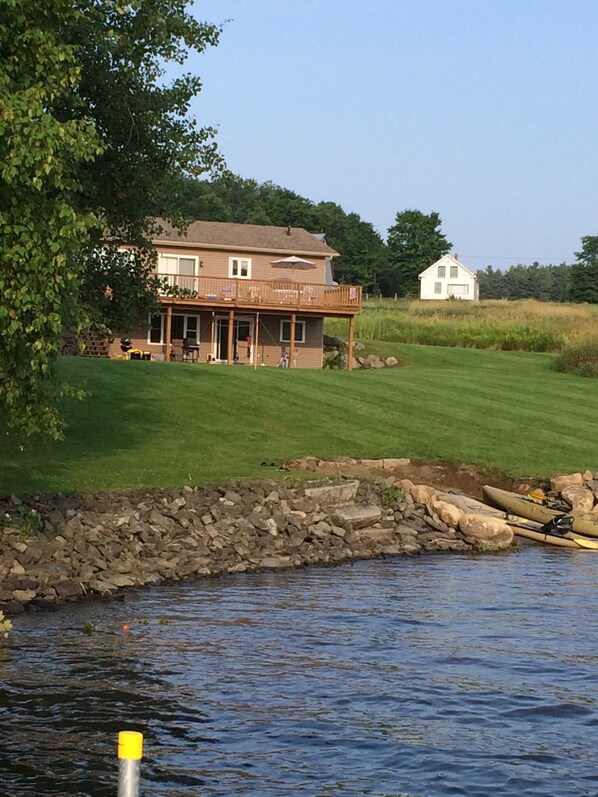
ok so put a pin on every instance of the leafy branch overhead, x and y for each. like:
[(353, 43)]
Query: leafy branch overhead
[(89, 132)]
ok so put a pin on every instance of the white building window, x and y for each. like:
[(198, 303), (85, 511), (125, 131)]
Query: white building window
[(285, 331), (239, 267), (441, 272), (437, 287), (458, 290), (454, 272)]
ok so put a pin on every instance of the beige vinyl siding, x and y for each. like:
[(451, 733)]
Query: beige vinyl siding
[(270, 347), (215, 263)]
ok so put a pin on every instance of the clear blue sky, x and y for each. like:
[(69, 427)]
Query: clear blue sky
[(483, 110)]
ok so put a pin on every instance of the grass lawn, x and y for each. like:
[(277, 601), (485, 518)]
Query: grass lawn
[(158, 424)]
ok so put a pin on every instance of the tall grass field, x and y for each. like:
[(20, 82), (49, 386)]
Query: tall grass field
[(148, 424), (526, 325)]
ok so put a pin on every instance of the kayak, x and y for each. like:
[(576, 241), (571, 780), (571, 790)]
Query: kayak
[(532, 531), (525, 507), (523, 527)]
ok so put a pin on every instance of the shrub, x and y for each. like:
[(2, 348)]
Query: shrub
[(580, 359)]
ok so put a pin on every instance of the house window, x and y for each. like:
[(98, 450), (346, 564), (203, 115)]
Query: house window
[(437, 287), (156, 329), (182, 326), (441, 271), (239, 267), (175, 264), (458, 290), (285, 331), (454, 272)]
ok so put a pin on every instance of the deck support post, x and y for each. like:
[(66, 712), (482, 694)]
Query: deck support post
[(212, 337), (256, 339), (350, 343), (231, 331), (168, 332), (292, 362)]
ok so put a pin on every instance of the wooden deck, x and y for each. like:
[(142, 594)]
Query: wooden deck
[(271, 295)]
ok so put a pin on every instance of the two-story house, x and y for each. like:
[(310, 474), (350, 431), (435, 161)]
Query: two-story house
[(448, 278), (244, 293)]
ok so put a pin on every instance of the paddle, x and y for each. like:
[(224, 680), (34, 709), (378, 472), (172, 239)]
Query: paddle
[(560, 526)]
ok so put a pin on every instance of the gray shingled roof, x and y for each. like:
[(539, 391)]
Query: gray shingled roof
[(254, 237)]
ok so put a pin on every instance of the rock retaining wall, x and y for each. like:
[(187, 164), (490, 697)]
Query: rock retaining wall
[(96, 545)]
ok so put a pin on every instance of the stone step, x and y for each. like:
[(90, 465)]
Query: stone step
[(332, 494), (356, 516)]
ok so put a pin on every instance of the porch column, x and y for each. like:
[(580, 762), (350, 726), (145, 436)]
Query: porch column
[(350, 343), (231, 330), (292, 340), (168, 332)]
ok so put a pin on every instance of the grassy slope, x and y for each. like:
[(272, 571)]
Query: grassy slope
[(148, 424)]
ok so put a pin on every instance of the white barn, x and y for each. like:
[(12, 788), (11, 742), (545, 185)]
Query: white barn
[(448, 278)]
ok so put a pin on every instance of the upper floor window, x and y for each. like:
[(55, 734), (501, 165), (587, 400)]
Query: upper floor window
[(239, 267), (178, 264), (441, 271), (454, 272)]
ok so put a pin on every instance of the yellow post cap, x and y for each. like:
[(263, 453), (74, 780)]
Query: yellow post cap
[(130, 745)]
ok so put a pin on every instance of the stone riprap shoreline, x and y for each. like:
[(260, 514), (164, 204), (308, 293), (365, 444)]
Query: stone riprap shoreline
[(98, 544)]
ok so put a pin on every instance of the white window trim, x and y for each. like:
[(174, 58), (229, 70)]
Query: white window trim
[(454, 276), (299, 326), (439, 275), (232, 260), (437, 285)]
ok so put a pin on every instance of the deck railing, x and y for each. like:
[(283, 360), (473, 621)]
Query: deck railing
[(242, 292)]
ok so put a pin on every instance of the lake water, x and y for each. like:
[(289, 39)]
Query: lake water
[(427, 676)]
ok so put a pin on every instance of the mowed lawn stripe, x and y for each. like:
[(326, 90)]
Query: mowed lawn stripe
[(154, 424)]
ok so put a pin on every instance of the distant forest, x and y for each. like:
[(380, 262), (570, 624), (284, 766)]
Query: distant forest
[(365, 257)]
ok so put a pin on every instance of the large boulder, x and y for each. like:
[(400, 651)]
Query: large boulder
[(422, 493), (493, 533), (448, 513), (580, 497), (560, 483)]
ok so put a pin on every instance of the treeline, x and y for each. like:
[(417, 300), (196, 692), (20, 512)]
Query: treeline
[(382, 267), (545, 283)]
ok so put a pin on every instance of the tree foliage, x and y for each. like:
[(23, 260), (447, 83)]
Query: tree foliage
[(545, 283), (584, 272), (415, 241), (89, 132)]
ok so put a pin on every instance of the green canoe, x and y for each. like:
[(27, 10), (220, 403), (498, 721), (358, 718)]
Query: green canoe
[(521, 505)]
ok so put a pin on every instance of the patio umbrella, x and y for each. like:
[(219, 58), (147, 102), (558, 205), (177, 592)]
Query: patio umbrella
[(293, 262)]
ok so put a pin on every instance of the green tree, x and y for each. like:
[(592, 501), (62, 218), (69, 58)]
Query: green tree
[(583, 285), (491, 282), (414, 242), (89, 132)]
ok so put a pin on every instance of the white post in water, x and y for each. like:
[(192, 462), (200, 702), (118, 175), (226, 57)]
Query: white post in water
[(130, 750)]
